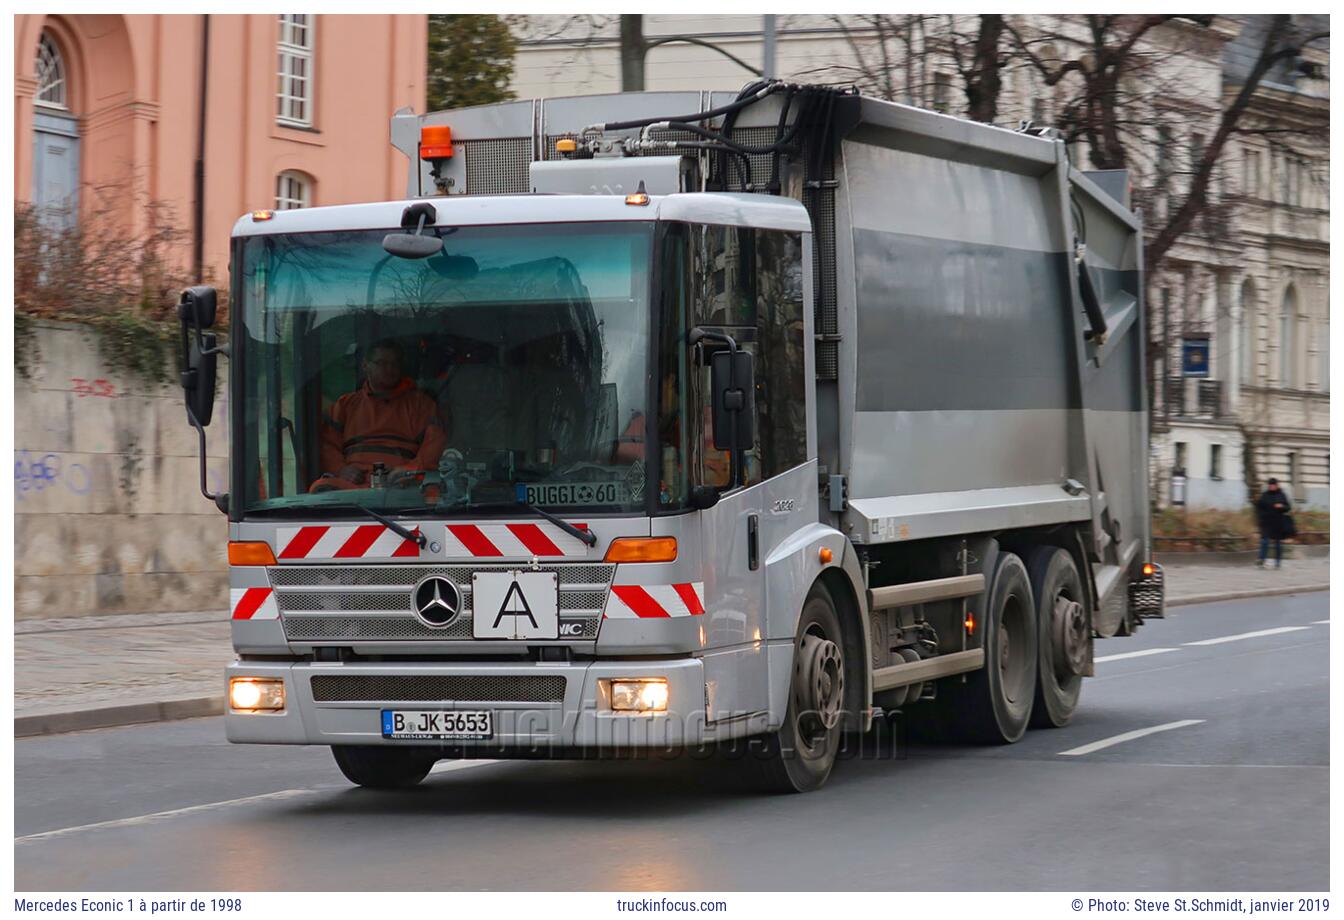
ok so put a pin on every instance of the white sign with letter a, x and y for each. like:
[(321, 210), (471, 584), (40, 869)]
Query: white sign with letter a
[(515, 605)]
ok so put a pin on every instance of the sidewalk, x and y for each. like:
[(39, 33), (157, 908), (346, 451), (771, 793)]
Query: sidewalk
[(91, 672)]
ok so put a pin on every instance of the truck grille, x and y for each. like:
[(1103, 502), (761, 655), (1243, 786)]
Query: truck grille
[(371, 603), (441, 688)]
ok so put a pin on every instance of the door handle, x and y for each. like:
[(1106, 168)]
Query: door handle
[(753, 542)]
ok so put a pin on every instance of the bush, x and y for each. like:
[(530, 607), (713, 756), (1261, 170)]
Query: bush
[(103, 272)]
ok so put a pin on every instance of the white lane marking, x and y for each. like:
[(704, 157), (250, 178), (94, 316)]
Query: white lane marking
[(1249, 635), (445, 766), (448, 766), (1139, 654), (1127, 736), (171, 813), (1320, 622)]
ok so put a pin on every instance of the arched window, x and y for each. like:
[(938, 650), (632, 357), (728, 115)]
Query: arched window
[(51, 86), (1288, 340), (1246, 333), (293, 190)]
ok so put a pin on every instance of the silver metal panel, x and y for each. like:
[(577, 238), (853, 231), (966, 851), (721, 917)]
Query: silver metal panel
[(893, 125), (901, 453), (946, 200), (897, 518), (734, 601), (656, 175)]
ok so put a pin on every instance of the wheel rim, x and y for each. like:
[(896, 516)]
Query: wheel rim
[(1069, 631), (1014, 670), (819, 688)]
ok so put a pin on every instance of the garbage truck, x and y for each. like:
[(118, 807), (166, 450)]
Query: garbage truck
[(680, 421)]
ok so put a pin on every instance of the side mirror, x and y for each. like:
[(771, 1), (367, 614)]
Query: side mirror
[(732, 381), (198, 379), (198, 306)]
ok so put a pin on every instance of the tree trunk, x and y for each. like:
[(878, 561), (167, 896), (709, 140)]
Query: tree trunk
[(982, 89), (633, 50)]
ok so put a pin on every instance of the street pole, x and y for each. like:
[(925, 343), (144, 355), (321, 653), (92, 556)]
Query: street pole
[(768, 58)]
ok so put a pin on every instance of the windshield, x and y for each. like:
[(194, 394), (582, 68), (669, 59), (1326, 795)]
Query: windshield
[(510, 367)]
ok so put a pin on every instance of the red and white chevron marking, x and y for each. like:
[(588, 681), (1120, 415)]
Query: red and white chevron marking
[(351, 541), (253, 604), (501, 541), (627, 602)]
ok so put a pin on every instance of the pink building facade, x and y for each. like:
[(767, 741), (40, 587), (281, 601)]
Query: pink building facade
[(295, 108)]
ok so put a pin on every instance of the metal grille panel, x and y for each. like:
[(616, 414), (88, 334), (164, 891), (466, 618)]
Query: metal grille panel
[(313, 599), (443, 688), (498, 167), (301, 628)]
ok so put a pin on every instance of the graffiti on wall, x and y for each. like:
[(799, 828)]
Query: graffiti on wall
[(33, 473)]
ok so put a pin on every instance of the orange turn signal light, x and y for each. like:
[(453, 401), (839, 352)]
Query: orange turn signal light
[(262, 215), (566, 145), (970, 623), (250, 553), (1147, 569), (642, 549), (825, 555), (436, 142), (639, 199)]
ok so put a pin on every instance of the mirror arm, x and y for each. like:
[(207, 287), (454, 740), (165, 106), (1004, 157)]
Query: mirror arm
[(221, 499), (736, 457)]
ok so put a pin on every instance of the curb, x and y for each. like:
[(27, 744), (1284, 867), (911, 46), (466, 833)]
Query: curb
[(1239, 595), (57, 723)]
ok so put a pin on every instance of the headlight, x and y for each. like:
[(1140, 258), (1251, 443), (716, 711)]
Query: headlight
[(641, 694), (256, 693)]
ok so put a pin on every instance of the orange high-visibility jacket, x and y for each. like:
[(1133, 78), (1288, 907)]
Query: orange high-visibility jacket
[(399, 429)]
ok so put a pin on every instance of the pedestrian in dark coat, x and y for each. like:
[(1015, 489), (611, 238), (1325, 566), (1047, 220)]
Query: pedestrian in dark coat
[(1272, 512)]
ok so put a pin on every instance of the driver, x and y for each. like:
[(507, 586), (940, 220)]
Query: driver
[(387, 421)]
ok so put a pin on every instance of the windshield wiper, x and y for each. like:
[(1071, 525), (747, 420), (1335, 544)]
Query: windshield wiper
[(587, 536), (390, 524)]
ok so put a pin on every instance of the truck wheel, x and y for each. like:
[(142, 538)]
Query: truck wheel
[(799, 757), (382, 767), (1063, 627), (994, 706)]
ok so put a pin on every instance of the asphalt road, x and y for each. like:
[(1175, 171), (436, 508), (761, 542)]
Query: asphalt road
[(1232, 793)]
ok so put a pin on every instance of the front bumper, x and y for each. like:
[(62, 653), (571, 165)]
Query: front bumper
[(576, 718)]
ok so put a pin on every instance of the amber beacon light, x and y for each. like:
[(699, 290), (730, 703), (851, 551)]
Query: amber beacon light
[(436, 142)]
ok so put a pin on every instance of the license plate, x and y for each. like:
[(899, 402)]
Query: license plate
[(515, 605), (574, 493), (416, 723)]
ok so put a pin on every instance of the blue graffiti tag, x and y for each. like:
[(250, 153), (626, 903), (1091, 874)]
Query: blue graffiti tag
[(41, 474)]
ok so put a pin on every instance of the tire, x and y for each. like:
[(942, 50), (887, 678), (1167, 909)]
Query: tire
[(994, 705), (382, 767), (799, 756), (1062, 635)]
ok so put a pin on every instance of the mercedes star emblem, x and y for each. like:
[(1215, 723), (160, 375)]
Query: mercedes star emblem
[(435, 601)]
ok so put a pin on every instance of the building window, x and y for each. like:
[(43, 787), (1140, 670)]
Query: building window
[(51, 88), (293, 190), (1288, 340), (1294, 491), (1215, 461), (1180, 456), (1247, 333), (294, 94)]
